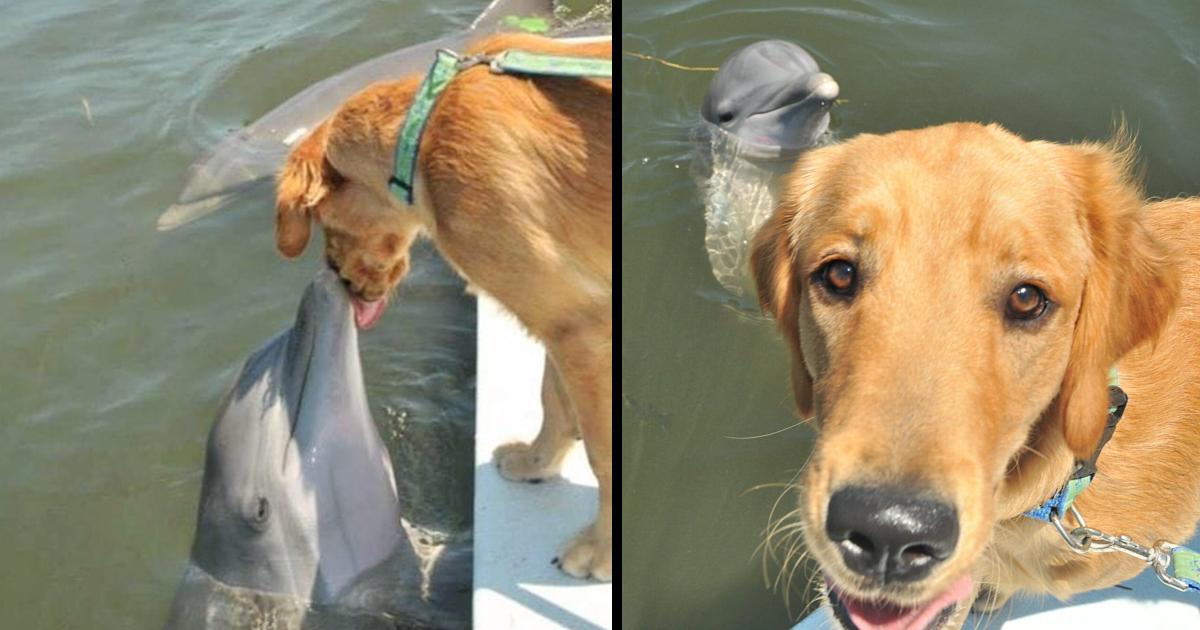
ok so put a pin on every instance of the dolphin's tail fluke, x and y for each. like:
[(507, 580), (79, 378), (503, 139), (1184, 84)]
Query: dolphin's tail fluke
[(303, 182)]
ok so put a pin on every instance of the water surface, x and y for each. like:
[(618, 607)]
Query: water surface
[(118, 340)]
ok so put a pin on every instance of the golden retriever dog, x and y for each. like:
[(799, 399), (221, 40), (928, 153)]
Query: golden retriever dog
[(514, 186), (953, 299)]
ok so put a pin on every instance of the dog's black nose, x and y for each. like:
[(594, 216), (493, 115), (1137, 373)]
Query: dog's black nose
[(889, 533)]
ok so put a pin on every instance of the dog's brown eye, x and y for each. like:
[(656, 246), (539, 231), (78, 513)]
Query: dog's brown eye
[(1026, 302), (838, 277)]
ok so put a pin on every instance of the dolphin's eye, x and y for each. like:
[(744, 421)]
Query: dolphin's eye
[(725, 117), (258, 512)]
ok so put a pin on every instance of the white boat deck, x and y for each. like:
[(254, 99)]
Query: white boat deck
[(519, 527)]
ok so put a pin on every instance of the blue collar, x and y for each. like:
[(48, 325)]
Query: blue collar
[(1175, 565), (1085, 470)]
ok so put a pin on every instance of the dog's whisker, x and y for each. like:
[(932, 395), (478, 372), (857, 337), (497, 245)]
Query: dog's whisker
[(769, 544), (764, 486), (755, 437), (781, 539), (783, 565), (797, 562), (789, 486), (812, 585), (792, 557), (1030, 449), (772, 522), (780, 526)]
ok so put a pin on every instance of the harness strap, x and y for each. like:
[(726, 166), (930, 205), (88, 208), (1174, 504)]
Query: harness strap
[(445, 66), (404, 164), (1186, 567), (524, 62)]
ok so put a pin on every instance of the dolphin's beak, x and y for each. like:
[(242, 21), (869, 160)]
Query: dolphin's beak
[(823, 86), (793, 125)]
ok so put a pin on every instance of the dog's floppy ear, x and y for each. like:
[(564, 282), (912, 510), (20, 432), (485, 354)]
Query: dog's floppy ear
[(1130, 290), (773, 263), (292, 230), (305, 179)]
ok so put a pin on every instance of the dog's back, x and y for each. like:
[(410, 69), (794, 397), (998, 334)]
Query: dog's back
[(535, 154)]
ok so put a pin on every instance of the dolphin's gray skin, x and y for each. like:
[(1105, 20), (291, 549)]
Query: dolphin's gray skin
[(772, 96), (768, 102), (299, 495), (251, 156), (299, 501)]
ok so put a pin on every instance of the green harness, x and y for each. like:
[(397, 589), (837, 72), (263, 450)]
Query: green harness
[(445, 66)]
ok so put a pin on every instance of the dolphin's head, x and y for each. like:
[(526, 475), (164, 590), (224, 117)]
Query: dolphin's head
[(772, 97), (298, 494)]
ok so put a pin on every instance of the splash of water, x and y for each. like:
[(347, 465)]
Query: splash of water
[(739, 194)]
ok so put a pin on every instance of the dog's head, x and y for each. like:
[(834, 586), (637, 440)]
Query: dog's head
[(367, 233), (949, 295)]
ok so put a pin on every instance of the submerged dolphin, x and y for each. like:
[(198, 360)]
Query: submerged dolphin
[(766, 103), (252, 155), (772, 96), (299, 502)]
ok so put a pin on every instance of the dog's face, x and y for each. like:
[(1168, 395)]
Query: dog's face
[(951, 296), (367, 241)]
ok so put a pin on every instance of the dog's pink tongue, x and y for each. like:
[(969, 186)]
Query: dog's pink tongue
[(367, 314), (868, 616)]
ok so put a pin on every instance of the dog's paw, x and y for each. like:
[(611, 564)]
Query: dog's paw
[(588, 555), (522, 462)]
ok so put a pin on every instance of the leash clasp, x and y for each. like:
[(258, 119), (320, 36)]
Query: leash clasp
[(1164, 556), (1084, 540), (1080, 538)]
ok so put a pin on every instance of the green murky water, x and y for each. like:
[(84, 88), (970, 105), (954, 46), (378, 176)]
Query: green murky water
[(698, 371), (117, 341)]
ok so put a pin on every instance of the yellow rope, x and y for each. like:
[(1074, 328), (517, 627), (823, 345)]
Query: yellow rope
[(668, 63)]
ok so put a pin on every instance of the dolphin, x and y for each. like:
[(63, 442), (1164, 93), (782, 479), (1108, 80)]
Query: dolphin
[(248, 159), (766, 103), (298, 505), (772, 96)]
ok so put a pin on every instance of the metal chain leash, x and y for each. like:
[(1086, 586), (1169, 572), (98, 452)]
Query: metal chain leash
[(1084, 540)]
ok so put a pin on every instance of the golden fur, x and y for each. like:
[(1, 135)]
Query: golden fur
[(514, 186), (920, 380)]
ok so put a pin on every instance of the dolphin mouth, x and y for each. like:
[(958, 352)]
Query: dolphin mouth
[(756, 150), (774, 132), (811, 108), (823, 90)]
